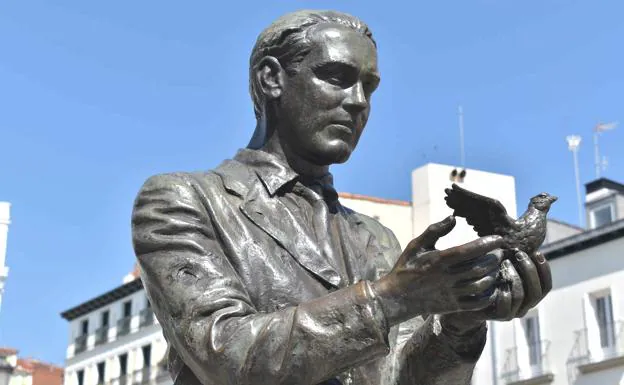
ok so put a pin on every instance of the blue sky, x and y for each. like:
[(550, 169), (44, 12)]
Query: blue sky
[(97, 96)]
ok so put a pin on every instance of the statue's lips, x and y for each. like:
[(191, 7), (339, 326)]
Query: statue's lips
[(344, 128)]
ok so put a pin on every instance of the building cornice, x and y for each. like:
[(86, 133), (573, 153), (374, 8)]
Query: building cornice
[(103, 300)]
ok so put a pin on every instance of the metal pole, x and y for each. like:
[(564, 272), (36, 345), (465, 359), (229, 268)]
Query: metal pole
[(461, 136), (578, 187), (494, 352), (574, 141), (596, 155)]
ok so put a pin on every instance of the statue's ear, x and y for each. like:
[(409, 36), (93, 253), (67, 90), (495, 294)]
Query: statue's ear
[(270, 77)]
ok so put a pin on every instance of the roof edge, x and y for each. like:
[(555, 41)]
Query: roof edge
[(103, 300), (368, 198), (584, 240)]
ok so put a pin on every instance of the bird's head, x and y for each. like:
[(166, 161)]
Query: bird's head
[(543, 201)]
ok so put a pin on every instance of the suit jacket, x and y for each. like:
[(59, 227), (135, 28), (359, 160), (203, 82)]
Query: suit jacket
[(244, 295)]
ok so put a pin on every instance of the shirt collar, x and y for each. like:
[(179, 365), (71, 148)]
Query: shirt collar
[(272, 171)]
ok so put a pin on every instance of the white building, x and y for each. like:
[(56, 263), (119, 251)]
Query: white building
[(115, 339), (5, 220), (575, 335)]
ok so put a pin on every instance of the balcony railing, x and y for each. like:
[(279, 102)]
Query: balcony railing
[(601, 344), (123, 326), (147, 317), (527, 362), (124, 379), (80, 344), (596, 349), (149, 375), (101, 335)]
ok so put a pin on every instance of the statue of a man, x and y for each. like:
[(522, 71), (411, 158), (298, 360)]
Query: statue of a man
[(258, 274)]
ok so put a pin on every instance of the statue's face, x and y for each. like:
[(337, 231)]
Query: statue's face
[(325, 105)]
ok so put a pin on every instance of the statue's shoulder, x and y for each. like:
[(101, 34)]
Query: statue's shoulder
[(231, 176)]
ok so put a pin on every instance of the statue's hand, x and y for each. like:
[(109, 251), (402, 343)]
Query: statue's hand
[(522, 283), (429, 281)]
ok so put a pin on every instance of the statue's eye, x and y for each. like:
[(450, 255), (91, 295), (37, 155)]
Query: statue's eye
[(336, 80), (338, 74)]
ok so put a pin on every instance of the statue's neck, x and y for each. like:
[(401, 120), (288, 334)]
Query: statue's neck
[(267, 139)]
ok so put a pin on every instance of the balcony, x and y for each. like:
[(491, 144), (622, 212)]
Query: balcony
[(101, 335), (149, 375), (599, 348), (80, 344), (147, 317), (527, 365), (123, 379), (123, 326)]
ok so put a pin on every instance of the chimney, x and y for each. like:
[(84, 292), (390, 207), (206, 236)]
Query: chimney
[(5, 220)]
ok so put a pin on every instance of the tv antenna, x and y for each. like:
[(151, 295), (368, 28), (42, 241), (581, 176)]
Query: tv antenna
[(601, 164)]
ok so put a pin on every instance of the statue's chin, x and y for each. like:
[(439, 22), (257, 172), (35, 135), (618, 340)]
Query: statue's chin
[(333, 157), (337, 153)]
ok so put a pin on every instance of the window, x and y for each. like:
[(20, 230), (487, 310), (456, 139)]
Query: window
[(604, 316), (147, 356), (127, 309), (80, 376), (123, 364), (84, 328), (101, 372), (123, 369), (105, 318), (533, 339), (601, 216)]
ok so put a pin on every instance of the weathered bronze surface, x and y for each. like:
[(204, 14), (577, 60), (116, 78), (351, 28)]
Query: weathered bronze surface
[(259, 275)]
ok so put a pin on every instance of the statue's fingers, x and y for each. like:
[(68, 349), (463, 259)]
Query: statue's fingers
[(474, 268), (543, 270), (471, 250), (430, 236), (503, 310), (479, 287), (512, 281), (531, 281)]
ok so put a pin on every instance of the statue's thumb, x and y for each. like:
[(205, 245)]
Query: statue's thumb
[(436, 231)]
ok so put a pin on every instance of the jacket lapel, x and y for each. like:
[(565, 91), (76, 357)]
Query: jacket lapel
[(286, 228), (366, 249)]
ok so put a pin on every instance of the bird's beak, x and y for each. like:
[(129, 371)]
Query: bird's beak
[(553, 199)]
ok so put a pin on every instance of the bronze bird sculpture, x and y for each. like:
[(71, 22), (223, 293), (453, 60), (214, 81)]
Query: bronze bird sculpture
[(489, 217)]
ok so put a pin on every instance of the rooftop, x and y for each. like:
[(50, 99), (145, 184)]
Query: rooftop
[(5, 352), (584, 240), (604, 183), (103, 300)]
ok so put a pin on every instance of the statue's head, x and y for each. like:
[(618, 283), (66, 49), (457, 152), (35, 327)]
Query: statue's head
[(312, 74)]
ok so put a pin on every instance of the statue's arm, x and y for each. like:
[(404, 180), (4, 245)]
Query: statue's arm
[(426, 352), (206, 313), (432, 356)]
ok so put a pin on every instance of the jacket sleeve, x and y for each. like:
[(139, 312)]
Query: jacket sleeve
[(207, 315)]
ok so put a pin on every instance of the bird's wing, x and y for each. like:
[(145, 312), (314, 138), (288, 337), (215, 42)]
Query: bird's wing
[(486, 215)]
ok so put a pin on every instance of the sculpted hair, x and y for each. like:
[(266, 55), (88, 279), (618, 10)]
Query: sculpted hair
[(287, 40)]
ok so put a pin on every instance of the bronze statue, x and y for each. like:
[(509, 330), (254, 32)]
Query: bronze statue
[(258, 274)]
